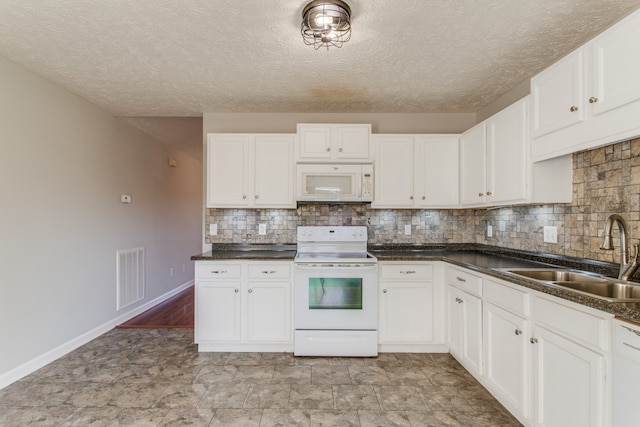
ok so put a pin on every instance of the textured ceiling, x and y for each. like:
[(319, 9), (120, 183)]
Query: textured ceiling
[(166, 58)]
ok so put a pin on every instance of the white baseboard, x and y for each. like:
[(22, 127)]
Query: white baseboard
[(51, 355)]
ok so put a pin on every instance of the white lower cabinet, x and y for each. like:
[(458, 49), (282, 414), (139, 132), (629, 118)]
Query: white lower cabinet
[(506, 346), (464, 314), (569, 348), (243, 306), (410, 313), (545, 359)]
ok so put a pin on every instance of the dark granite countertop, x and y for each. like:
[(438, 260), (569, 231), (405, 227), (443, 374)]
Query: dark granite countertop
[(481, 258)]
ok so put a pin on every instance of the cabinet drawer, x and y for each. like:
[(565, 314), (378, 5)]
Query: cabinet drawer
[(465, 281), (269, 271), (574, 324), (506, 297), (217, 271), (406, 271)]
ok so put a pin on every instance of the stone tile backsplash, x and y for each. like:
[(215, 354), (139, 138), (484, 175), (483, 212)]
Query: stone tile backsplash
[(605, 181)]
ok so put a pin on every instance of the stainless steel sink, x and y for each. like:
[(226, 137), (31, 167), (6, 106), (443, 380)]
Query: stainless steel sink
[(557, 275), (609, 289), (582, 282)]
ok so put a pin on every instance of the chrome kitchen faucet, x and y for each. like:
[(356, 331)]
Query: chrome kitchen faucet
[(626, 270)]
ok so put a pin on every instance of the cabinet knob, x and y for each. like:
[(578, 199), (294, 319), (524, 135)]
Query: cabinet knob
[(480, 194), (250, 291), (256, 196), (573, 108), (328, 149), (533, 340), (244, 196), (424, 198), (410, 197), (236, 290), (489, 193), (458, 300), (518, 332), (340, 149), (384, 291), (593, 100)]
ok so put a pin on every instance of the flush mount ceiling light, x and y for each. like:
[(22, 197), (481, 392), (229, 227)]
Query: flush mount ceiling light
[(326, 23)]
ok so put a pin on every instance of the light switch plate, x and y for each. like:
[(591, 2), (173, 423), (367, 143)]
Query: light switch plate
[(489, 230), (407, 229), (213, 229), (262, 229), (550, 234)]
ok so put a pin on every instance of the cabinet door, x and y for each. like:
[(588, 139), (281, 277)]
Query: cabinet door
[(406, 312), (454, 320), (506, 357), (352, 142), (616, 66), (506, 155), (217, 312), (274, 163), (228, 171), (269, 311), (314, 142), (436, 171), (558, 95), (473, 175), (472, 332), (568, 380), (394, 171)]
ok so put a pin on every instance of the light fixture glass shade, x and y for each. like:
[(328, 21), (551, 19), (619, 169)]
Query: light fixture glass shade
[(326, 23)]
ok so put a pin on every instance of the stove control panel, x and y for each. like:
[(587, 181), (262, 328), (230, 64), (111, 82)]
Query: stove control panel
[(332, 234)]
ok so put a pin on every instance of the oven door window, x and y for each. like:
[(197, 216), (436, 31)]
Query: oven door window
[(335, 293)]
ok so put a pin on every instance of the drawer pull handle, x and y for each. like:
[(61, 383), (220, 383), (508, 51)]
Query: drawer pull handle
[(408, 272), (460, 279), (236, 290), (533, 340), (458, 300), (268, 271), (593, 100), (573, 109), (518, 332), (219, 271)]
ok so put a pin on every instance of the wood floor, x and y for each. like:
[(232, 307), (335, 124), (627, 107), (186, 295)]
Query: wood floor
[(176, 312)]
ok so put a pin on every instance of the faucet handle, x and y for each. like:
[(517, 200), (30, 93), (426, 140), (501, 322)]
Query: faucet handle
[(634, 258)]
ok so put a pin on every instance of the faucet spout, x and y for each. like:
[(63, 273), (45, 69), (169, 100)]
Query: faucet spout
[(626, 270)]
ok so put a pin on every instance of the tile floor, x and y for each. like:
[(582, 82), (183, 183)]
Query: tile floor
[(156, 377)]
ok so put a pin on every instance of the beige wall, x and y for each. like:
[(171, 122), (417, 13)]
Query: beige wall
[(65, 165), (380, 123)]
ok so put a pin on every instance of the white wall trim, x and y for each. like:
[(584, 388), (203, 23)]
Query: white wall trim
[(48, 357)]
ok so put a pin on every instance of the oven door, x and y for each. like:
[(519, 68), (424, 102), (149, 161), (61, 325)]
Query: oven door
[(336, 297)]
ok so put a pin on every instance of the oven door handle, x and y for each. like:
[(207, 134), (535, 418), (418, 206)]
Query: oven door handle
[(336, 267)]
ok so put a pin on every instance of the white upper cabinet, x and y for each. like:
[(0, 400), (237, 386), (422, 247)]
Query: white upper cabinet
[(591, 97), (416, 171), (334, 142), (495, 169), (250, 170), (558, 96)]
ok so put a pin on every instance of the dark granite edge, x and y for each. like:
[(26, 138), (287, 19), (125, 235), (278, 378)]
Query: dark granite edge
[(600, 267)]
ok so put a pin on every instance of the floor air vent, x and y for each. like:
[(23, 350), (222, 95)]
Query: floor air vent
[(130, 281)]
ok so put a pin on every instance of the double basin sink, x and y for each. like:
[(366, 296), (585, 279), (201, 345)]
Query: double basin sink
[(582, 282)]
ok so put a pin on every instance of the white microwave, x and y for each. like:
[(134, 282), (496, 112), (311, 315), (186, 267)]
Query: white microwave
[(338, 183)]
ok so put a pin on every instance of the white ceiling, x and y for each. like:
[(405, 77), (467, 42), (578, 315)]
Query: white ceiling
[(152, 58)]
